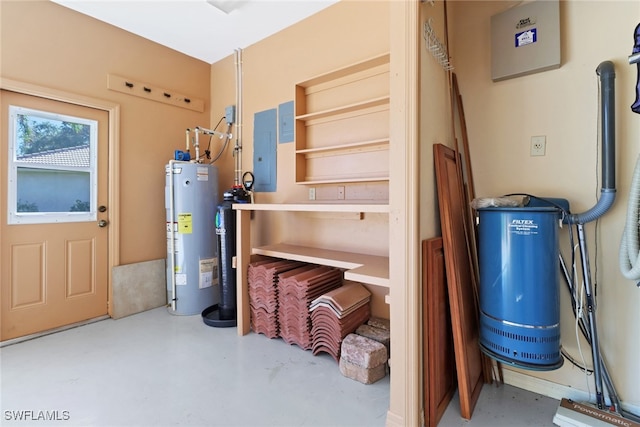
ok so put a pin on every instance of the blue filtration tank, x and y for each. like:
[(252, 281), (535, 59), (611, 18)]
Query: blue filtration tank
[(518, 253), (195, 256)]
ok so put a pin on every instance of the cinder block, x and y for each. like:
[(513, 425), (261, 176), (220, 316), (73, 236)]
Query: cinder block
[(378, 322), (363, 352), (363, 375)]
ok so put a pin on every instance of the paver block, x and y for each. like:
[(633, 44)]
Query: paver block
[(363, 375), (363, 352)]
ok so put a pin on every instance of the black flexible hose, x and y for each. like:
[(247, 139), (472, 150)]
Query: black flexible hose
[(635, 59)]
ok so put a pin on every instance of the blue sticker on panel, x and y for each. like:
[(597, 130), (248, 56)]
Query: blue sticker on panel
[(265, 126), (286, 122), (526, 37)]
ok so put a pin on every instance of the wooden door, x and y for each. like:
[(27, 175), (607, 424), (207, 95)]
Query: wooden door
[(54, 214)]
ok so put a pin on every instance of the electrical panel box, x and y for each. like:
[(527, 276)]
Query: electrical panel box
[(525, 40), (265, 126), (286, 122)]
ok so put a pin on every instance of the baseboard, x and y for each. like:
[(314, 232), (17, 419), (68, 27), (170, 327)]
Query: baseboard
[(394, 420), (51, 331), (554, 390)]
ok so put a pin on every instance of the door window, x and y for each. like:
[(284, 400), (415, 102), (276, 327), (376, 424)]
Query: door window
[(52, 167)]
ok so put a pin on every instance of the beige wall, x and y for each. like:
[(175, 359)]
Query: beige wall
[(51, 46), (333, 38), (563, 105), (435, 118)]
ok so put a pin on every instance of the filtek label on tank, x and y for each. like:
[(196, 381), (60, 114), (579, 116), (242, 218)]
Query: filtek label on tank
[(523, 227)]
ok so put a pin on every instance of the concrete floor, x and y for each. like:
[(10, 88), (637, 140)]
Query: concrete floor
[(155, 369)]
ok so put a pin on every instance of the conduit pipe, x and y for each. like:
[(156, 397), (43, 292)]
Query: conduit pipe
[(608, 122), (607, 196), (172, 236), (237, 149)]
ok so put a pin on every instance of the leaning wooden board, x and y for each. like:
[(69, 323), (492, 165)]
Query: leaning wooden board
[(464, 318), (439, 362)]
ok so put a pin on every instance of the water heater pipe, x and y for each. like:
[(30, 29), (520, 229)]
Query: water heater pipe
[(608, 121), (196, 145), (221, 135), (237, 149), (172, 236)]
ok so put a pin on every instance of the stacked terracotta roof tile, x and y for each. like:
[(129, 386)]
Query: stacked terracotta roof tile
[(337, 314), (296, 289), (263, 294)]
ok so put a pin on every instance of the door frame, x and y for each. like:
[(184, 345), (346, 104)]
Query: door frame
[(113, 110)]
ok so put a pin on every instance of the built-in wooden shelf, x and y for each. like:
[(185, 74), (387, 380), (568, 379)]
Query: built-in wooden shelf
[(354, 147), (344, 109), (381, 207), (346, 180), (369, 269)]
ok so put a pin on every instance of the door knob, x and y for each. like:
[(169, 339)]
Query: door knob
[(103, 223)]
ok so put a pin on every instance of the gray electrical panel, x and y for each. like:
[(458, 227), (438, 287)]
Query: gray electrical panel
[(525, 39), (265, 152)]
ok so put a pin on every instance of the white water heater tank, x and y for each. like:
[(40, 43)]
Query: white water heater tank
[(191, 197)]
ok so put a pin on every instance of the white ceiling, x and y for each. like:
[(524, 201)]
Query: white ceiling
[(200, 28)]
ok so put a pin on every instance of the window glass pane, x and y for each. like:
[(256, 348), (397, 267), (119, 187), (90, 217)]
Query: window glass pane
[(51, 167), (51, 141), (50, 190)]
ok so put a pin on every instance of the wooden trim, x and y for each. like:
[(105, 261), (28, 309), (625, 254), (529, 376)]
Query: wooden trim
[(113, 110), (243, 258), (404, 242)]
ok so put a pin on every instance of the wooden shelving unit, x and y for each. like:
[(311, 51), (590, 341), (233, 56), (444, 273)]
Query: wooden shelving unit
[(342, 125), (342, 136), (368, 269)]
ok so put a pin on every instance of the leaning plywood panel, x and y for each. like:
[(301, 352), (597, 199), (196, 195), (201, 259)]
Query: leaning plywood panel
[(459, 279), (439, 363)]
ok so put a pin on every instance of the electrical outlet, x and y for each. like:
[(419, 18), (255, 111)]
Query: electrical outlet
[(538, 145), (340, 192), (312, 193)]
